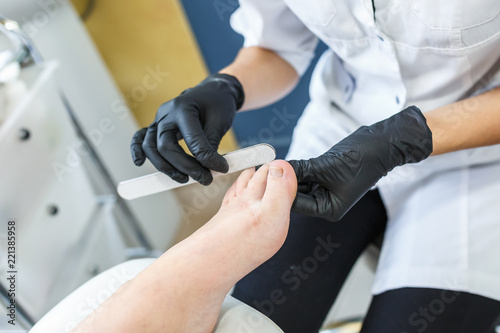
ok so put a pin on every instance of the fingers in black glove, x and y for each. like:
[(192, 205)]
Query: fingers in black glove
[(150, 150), (197, 141), (201, 115), (312, 198), (136, 151), (170, 150), (332, 183)]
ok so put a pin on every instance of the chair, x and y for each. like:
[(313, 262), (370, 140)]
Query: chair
[(234, 316)]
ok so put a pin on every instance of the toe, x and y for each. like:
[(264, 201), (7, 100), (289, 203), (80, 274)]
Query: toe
[(281, 186), (243, 179), (230, 194), (257, 185)]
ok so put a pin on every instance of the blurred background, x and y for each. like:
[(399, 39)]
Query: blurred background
[(77, 79)]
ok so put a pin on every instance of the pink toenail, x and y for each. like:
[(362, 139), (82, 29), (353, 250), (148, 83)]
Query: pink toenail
[(276, 172)]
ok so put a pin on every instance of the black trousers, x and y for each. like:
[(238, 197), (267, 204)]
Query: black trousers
[(298, 285)]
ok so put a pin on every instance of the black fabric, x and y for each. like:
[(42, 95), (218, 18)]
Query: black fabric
[(298, 285), (419, 310)]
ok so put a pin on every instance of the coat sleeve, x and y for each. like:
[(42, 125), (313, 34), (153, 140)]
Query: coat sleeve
[(271, 24)]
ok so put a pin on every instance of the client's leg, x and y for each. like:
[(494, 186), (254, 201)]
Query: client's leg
[(184, 289)]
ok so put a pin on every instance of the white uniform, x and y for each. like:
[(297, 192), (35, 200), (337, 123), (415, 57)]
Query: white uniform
[(444, 213)]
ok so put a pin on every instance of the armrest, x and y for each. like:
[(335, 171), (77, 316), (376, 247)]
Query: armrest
[(235, 316)]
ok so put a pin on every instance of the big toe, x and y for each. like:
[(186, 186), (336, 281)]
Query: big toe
[(281, 187)]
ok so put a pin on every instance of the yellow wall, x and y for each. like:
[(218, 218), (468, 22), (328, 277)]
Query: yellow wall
[(134, 36)]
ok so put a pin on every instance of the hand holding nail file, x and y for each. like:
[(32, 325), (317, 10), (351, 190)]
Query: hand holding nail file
[(158, 182)]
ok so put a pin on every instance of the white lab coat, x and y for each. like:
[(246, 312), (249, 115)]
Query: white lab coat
[(444, 213)]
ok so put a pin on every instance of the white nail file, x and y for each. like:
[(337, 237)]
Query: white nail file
[(238, 160)]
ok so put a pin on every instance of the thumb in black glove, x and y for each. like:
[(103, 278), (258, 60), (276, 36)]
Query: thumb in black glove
[(201, 115), (329, 185)]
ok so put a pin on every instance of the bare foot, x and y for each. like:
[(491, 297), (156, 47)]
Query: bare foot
[(255, 212), (250, 227), (184, 289)]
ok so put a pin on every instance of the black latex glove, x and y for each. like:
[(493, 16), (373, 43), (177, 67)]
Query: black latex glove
[(201, 115), (329, 185)]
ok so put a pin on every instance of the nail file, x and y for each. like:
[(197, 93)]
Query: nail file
[(238, 160)]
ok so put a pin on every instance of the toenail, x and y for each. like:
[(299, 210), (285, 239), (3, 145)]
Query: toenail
[(276, 172)]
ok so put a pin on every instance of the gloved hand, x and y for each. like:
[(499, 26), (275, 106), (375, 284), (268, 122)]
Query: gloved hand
[(201, 115), (329, 185)]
